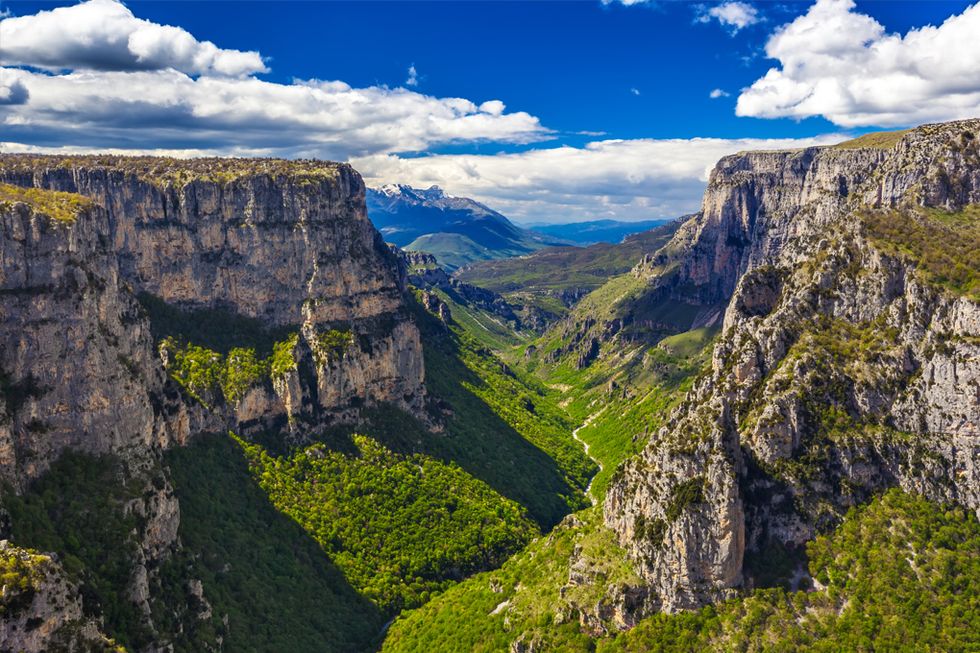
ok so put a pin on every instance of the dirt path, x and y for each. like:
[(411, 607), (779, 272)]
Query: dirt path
[(587, 422)]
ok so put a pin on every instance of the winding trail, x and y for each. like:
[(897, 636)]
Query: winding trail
[(587, 422)]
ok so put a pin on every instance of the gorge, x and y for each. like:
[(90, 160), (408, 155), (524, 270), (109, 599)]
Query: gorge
[(235, 419)]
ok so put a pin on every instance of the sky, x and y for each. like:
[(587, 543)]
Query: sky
[(546, 111)]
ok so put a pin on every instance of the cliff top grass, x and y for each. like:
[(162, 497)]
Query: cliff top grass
[(63, 207), (879, 140), (170, 171)]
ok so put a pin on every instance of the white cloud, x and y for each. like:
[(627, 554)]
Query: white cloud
[(629, 3), (733, 15), (168, 109), (718, 93), (117, 81), (635, 91), (841, 64), (623, 179), (105, 35), (493, 107), (413, 76)]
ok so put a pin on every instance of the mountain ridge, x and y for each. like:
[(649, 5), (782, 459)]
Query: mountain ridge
[(456, 230)]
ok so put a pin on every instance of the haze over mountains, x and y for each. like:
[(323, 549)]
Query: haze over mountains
[(590, 232)]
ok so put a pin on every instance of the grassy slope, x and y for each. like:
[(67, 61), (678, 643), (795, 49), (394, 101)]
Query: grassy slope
[(485, 328), (455, 250), (629, 398), (881, 140), (63, 207), (489, 611)]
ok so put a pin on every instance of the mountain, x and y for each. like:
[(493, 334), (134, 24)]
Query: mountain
[(783, 401), (545, 284), (596, 231), (456, 230)]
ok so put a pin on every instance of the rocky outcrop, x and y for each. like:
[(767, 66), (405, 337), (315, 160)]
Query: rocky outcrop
[(42, 608), (79, 368), (843, 367)]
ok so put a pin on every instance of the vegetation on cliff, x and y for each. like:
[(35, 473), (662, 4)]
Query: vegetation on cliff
[(168, 171), (255, 562), (78, 509), (899, 574), (59, 206), (943, 245)]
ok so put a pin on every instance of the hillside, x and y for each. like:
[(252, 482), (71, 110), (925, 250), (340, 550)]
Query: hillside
[(747, 439), (456, 230)]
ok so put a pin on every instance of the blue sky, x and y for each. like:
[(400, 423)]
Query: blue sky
[(602, 110)]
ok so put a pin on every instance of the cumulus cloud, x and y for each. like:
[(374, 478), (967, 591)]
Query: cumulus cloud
[(733, 15), (841, 64), (635, 91), (413, 76), (718, 93), (105, 35), (169, 109), (623, 179), (110, 80)]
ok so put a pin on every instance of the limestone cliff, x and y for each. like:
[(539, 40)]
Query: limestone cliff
[(848, 362), (286, 243)]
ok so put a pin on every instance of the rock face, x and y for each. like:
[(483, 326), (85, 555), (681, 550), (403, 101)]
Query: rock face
[(78, 360), (42, 608), (842, 369), (288, 243), (424, 273)]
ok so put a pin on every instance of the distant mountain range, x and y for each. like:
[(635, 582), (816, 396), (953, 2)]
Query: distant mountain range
[(456, 230), (596, 231)]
